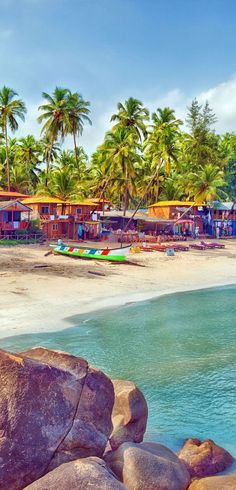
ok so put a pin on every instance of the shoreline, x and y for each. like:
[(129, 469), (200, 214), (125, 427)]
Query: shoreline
[(100, 305), (45, 294)]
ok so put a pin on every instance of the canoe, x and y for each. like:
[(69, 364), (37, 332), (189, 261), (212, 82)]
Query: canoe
[(114, 254)]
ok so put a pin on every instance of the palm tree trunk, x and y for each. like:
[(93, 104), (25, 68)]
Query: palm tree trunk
[(47, 171), (7, 160), (126, 202), (76, 156)]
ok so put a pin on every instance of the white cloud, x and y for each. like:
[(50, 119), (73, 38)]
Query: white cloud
[(222, 98)]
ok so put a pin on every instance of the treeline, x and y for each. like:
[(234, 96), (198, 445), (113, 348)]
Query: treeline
[(143, 158)]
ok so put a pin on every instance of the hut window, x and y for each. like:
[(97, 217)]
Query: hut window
[(55, 227), (16, 216), (45, 210), (78, 211)]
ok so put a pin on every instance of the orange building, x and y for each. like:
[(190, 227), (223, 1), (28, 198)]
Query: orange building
[(59, 219), (102, 204), (170, 210)]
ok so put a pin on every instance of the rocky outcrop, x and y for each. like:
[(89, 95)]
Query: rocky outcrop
[(83, 474), (92, 421), (204, 458), (129, 415), (215, 483), (148, 466), (53, 407), (56, 409)]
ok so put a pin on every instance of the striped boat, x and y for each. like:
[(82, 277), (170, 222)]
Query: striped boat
[(114, 254)]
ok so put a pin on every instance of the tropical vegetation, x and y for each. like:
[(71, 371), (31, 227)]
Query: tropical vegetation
[(143, 158)]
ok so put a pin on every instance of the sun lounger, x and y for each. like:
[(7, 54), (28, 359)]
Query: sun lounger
[(212, 245), (146, 249), (197, 246), (181, 248)]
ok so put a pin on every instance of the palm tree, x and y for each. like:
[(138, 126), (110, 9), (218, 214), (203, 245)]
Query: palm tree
[(78, 111), (49, 151), (120, 160), (162, 142), (55, 118), (132, 115), (28, 152), (205, 185), (11, 109), (64, 185)]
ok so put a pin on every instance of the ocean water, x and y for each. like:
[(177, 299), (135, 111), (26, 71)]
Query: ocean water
[(179, 349)]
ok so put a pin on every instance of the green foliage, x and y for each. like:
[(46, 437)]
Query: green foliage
[(140, 157)]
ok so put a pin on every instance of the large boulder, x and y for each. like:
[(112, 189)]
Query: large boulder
[(129, 415), (204, 458), (148, 466), (92, 423), (215, 483), (51, 403), (82, 474)]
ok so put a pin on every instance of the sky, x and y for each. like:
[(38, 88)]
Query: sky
[(165, 53)]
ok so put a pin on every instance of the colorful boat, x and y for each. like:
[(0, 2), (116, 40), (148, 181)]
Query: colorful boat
[(114, 254)]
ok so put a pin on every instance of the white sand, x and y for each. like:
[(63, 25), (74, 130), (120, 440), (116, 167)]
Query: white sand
[(44, 299)]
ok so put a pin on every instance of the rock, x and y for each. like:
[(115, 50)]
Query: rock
[(37, 408), (204, 458), (148, 466), (215, 483), (129, 415), (82, 474), (92, 420), (53, 407)]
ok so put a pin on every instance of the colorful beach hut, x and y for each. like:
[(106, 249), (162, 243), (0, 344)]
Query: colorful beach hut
[(14, 216)]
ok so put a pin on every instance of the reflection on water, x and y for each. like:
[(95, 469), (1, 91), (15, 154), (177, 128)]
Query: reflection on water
[(179, 349)]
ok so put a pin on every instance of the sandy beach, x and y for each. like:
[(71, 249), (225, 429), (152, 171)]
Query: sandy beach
[(40, 293)]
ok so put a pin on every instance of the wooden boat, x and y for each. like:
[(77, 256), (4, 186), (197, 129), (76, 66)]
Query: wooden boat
[(111, 254)]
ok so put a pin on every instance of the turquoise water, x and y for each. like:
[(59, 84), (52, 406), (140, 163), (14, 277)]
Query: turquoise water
[(179, 349)]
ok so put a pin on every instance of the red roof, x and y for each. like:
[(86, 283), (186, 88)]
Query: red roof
[(12, 194)]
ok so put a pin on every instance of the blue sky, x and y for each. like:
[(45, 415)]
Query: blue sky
[(162, 52)]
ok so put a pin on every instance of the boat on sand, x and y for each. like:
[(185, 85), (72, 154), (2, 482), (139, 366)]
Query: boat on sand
[(110, 254)]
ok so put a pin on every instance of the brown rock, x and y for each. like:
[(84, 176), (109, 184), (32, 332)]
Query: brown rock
[(83, 474), (215, 483), (37, 408), (129, 415), (92, 421), (204, 458), (53, 407), (148, 466)]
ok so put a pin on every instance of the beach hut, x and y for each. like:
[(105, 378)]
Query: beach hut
[(14, 216), (85, 219), (223, 217), (60, 219), (185, 215), (51, 213), (170, 210)]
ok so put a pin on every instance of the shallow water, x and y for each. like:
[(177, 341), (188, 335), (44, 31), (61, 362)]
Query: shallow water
[(179, 349)]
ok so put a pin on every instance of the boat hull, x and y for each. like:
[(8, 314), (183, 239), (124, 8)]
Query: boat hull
[(116, 254)]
